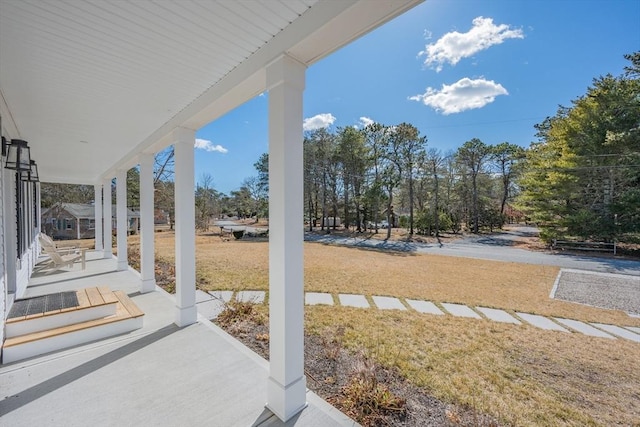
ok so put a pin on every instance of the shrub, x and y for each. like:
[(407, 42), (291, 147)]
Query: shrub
[(548, 234), (404, 221), (366, 399), (239, 311)]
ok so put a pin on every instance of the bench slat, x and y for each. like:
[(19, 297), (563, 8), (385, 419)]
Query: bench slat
[(584, 246)]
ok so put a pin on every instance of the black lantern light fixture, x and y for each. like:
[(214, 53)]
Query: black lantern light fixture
[(18, 155), (32, 174)]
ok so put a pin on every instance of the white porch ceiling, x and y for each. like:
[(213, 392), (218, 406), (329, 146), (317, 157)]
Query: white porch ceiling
[(92, 83)]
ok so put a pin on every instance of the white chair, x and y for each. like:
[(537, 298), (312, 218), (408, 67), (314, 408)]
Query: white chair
[(61, 257)]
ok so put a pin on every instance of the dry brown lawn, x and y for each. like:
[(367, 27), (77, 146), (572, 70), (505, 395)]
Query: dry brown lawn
[(243, 265), (519, 374)]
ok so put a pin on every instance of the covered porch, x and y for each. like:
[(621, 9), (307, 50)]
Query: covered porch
[(96, 89), (159, 375)]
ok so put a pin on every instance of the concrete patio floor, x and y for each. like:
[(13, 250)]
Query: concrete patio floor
[(160, 375)]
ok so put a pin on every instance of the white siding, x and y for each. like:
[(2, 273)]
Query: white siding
[(3, 274)]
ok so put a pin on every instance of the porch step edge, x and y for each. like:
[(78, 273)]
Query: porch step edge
[(59, 320), (55, 343), (128, 317)]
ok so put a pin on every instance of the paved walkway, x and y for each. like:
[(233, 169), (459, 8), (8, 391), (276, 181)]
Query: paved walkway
[(212, 303)]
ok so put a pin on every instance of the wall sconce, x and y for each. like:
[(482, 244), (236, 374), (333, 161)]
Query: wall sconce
[(18, 155), (32, 174)]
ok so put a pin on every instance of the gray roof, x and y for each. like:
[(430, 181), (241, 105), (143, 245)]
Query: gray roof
[(79, 210), (83, 210)]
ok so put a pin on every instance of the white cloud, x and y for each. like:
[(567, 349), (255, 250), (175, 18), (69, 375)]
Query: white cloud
[(454, 46), (366, 121), (206, 145), (318, 121), (465, 94)]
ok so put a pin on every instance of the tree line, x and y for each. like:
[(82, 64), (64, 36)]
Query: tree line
[(385, 175), (581, 178)]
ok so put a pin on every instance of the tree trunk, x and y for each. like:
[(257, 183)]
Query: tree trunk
[(346, 205), (505, 195), (475, 202), (410, 204), (356, 195), (436, 214), (324, 203), (310, 212), (505, 188), (335, 204), (315, 209), (389, 206)]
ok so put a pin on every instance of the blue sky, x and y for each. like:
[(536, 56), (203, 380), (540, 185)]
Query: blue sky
[(455, 69)]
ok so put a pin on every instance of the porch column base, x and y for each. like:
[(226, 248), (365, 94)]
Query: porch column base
[(148, 285), (286, 401), (186, 316), (122, 266), (108, 254)]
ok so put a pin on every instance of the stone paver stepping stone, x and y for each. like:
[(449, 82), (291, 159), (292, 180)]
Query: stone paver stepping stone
[(617, 330), (211, 308), (498, 315), (222, 295), (388, 303), (583, 328), (256, 297), (460, 310), (316, 298), (634, 329), (426, 307), (350, 300), (202, 296), (541, 322)]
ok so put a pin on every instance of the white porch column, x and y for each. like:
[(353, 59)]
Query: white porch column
[(122, 222), (37, 189), (97, 205), (147, 247), (286, 388), (10, 242), (185, 227), (107, 215)]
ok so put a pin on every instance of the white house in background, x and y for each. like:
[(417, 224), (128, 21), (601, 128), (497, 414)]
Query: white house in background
[(96, 88)]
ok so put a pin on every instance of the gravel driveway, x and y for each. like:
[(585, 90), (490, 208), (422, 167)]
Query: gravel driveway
[(611, 291)]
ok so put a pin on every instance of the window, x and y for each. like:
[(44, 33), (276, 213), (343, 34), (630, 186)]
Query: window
[(92, 224), (26, 197), (20, 208), (68, 223)]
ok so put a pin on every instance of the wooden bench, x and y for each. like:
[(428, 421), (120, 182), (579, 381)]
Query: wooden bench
[(225, 233), (584, 246)]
